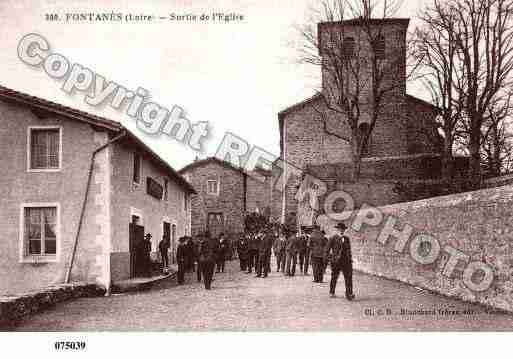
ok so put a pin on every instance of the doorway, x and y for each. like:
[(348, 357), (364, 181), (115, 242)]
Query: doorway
[(136, 249)]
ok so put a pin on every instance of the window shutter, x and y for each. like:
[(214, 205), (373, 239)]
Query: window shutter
[(44, 148)]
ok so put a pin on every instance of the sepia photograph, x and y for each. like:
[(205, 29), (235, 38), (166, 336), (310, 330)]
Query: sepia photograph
[(292, 169)]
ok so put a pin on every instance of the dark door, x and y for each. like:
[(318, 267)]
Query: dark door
[(136, 237), (215, 224)]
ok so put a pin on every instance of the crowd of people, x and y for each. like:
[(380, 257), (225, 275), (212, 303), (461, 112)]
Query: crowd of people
[(206, 254), (293, 250), (202, 254)]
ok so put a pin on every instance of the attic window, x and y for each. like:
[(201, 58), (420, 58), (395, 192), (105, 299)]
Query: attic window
[(213, 187)]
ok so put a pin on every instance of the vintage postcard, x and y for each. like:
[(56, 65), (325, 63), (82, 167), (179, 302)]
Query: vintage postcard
[(242, 166)]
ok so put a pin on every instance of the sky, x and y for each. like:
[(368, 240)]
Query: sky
[(236, 75)]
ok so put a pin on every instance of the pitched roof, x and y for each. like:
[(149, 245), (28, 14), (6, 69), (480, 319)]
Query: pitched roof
[(205, 161), (290, 109), (37, 103), (299, 105), (359, 21), (226, 164), (422, 102), (11, 95), (317, 96)]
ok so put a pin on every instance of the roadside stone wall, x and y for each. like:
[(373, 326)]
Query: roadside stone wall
[(14, 308), (477, 224)]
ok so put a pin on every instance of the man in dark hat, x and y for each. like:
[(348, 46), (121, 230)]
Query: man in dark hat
[(208, 253), (317, 244), (252, 252), (181, 259), (242, 252), (291, 249), (301, 248), (304, 249), (264, 253), (146, 250), (341, 260), (197, 245), (164, 245), (222, 253), (189, 263), (324, 262), (279, 251)]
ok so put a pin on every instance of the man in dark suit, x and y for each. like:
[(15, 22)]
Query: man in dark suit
[(253, 252), (242, 252), (197, 245), (341, 260), (222, 253), (291, 249), (189, 245), (279, 251), (164, 245), (317, 244), (308, 251), (146, 252), (181, 259), (208, 253), (264, 253)]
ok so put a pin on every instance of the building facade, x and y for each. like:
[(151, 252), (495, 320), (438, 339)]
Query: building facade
[(225, 194), (74, 185), (400, 145)]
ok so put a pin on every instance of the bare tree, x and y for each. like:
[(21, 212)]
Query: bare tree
[(484, 35), (436, 51), (496, 151), (356, 75), (474, 59), (496, 142)]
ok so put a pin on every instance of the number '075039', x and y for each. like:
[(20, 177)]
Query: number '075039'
[(65, 345)]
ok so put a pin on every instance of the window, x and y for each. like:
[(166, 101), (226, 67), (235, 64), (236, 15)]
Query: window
[(348, 47), (39, 231), (185, 200), (166, 189), (44, 148), (137, 168), (379, 48), (212, 187)]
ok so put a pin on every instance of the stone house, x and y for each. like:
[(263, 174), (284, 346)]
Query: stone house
[(225, 193), (400, 146), (79, 192)]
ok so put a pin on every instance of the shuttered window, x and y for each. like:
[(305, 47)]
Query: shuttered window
[(45, 148)]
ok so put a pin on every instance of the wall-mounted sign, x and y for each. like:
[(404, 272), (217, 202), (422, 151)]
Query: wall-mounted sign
[(154, 189)]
